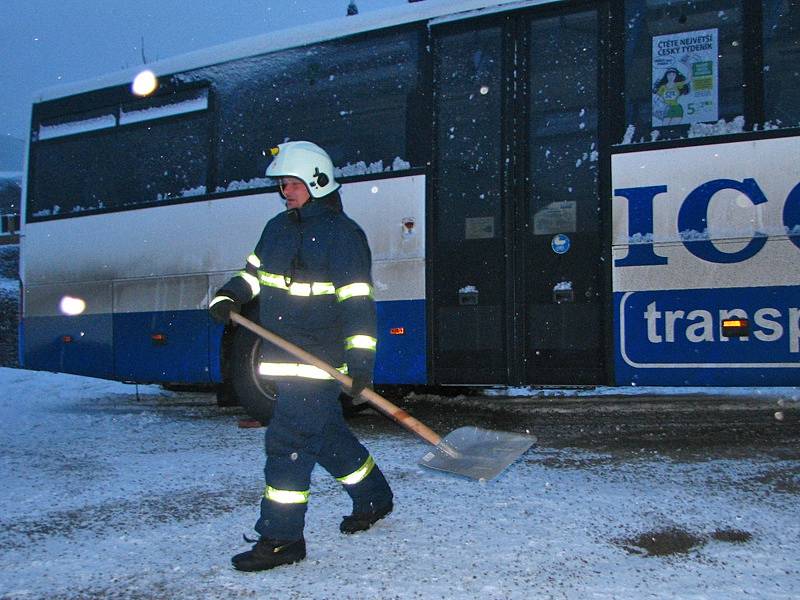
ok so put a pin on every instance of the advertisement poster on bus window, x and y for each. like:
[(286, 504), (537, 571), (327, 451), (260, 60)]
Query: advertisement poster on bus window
[(685, 78)]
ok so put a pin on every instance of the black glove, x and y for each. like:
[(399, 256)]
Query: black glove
[(222, 306), (361, 382)]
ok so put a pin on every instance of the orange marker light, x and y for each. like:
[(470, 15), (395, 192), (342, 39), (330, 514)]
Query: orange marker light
[(735, 327), (397, 331)]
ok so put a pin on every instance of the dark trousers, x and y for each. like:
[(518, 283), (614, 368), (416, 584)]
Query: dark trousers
[(307, 428)]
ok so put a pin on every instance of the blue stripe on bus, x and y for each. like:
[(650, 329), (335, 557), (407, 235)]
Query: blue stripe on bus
[(674, 337), (87, 349), (401, 358), (123, 348), (182, 357)]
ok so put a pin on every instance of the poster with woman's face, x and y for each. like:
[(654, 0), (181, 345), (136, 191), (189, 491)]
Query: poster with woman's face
[(685, 80)]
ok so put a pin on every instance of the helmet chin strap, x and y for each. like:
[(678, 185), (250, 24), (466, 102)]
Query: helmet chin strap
[(294, 215)]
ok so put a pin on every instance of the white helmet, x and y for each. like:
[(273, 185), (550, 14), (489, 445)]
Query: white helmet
[(307, 162)]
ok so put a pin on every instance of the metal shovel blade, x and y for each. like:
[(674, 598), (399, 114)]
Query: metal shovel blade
[(477, 453)]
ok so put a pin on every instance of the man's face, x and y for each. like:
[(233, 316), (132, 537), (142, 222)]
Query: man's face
[(295, 192)]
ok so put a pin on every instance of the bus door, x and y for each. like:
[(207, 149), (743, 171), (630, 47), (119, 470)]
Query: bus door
[(468, 264), (516, 269)]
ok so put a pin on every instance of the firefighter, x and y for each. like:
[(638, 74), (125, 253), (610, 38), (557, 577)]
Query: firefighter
[(312, 272)]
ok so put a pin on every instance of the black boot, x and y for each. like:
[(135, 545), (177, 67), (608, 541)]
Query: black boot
[(267, 554), (363, 521)]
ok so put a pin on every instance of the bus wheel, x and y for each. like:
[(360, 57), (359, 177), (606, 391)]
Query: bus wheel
[(254, 393)]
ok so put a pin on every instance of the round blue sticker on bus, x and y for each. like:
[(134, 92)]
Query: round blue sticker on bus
[(560, 243)]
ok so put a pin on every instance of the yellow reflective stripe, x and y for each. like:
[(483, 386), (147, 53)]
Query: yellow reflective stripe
[(353, 289), (300, 289), (254, 260), (365, 342), (360, 474), (275, 369), (251, 281), (285, 496), (317, 288), (272, 280), (218, 299)]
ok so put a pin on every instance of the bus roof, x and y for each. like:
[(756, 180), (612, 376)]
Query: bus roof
[(429, 10)]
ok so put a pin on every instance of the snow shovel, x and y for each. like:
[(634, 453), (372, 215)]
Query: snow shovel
[(470, 451)]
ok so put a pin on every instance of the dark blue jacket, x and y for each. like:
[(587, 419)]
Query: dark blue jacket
[(313, 267)]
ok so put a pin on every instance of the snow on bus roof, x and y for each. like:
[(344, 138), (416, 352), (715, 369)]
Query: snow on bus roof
[(302, 35)]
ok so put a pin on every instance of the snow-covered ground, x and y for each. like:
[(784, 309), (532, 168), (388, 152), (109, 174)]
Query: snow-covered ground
[(107, 494)]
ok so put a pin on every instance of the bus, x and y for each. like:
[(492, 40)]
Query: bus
[(555, 192)]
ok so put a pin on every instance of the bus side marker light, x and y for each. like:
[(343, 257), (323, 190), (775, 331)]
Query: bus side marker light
[(67, 339), (735, 328), (397, 331), (159, 339)]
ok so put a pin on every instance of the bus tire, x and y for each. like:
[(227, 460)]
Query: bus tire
[(254, 393)]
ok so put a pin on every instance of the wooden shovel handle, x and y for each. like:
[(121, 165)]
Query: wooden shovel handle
[(378, 401)]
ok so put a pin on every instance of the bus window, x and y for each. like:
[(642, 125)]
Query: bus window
[(352, 96), (154, 153), (563, 125), (469, 81), (76, 123), (683, 67), (163, 160), (781, 41), (71, 174)]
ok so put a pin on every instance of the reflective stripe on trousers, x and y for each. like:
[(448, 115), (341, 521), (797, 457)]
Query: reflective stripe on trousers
[(359, 474), (286, 369), (286, 496)]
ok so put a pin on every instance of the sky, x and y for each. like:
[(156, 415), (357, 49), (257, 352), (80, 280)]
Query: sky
[(44, 43)]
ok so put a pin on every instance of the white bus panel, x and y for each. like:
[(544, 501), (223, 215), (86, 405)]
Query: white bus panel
[(702, 236)]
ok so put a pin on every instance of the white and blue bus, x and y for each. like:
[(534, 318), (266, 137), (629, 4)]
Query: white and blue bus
[(555, 193)]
